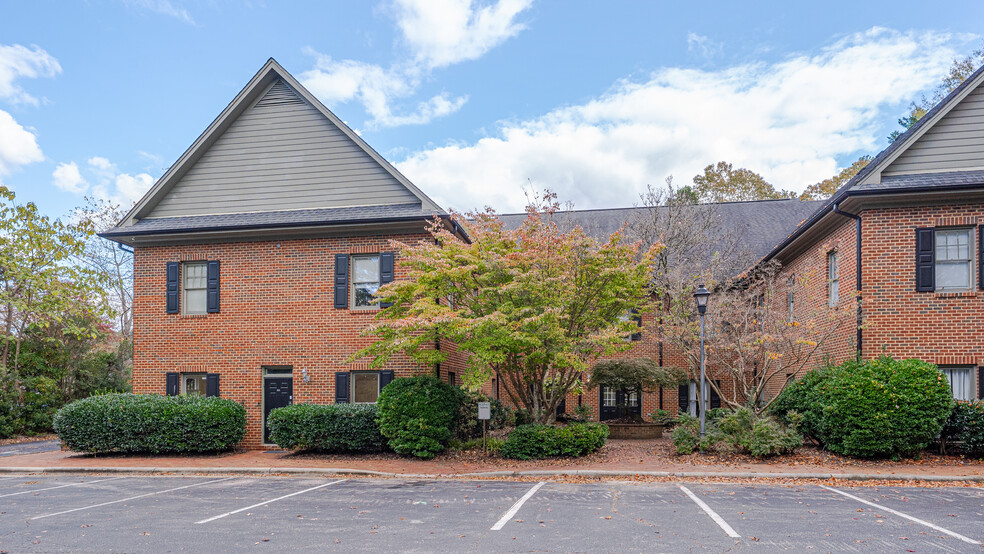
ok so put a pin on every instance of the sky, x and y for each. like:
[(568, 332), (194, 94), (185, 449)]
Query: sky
[(476, 102)]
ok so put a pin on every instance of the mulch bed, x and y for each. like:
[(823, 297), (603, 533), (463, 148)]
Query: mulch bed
[(21, 440)]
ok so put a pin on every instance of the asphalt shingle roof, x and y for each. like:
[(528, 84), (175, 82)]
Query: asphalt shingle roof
[(924, 181), (762, 223), (259, 220)]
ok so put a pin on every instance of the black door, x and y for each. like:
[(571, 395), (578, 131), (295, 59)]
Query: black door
[(611, 400), (277, 393)]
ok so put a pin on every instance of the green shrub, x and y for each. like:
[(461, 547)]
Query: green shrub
[(742, 430), (151, 423), (803, 397), (326, 428), (534, 442), (469, 426), (418, 415), (883, 407), (963, 431)]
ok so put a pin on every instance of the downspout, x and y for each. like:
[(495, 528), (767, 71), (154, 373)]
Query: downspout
[(857, 271)]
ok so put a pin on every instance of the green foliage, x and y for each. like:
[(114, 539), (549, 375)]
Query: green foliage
[(534, 442), (877, 408), (533, 306), (469, 426), (634, 376), (580, 413), (826, 188), (722, 183), (132, 423), (963, 431), (742, 430), (662, 417), (326, 428), (418, 415)]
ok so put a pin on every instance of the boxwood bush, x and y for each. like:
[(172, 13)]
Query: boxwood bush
[(534, 442), (963, 432), (151, 423), (328, 428), (803, 397), (742, 430), (417, 415)]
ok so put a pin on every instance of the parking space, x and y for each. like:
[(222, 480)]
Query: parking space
[(223, 513)]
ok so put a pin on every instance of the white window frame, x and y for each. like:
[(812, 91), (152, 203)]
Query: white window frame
[(967, 390), (355, 375), (833, 278), (608, 398), (197, 377), (968, 261), (185, 289), (353, 283)]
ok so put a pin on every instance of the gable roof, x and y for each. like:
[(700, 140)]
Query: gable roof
[(761, 223), (870, 181), (274, 148)]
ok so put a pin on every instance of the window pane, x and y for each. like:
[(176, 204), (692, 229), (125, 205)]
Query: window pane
[(950, 275), (195, 301), (633, 399), (365, 269), (366, 387), (609, 397), (960, 382), (193, 384), (953, 245), (365, 293), (195, 275)]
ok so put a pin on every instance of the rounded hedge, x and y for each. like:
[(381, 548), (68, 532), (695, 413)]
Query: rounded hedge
[(534, 441), (328, 428), (803, 397), (877, 408), (964, 430), (417, 415), (151, 423)]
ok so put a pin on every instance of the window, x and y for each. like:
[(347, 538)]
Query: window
[(609, 397), (961, 381), (194, 285), (452, 379), (953, 259), (632, 399), (193, 384), (365, 387), (833, 278), (365, 280), (791, 298), (634, 317)]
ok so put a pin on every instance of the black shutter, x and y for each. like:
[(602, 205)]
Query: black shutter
[(385, 378), (684, 393), (925, 259), (212, 288), (637, 317), (715, 399), (980, 382), (212, 384), (172, 384), (341, 283), (385, 273), (341, 387), (980, 257), (172, 287)]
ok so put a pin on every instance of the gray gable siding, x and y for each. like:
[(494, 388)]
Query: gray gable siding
[(956, 142), (281, 154)]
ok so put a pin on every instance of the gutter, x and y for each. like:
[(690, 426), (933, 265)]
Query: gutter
[(857, 257)]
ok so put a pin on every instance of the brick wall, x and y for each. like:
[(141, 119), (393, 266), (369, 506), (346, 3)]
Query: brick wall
[(276, 309)]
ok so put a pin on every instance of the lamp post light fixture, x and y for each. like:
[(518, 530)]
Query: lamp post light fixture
[(701, 295)]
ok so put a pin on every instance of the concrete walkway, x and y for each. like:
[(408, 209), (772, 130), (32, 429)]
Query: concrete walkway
[(257, 462)]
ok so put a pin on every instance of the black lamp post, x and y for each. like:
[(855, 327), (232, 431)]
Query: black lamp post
[(701, 295)]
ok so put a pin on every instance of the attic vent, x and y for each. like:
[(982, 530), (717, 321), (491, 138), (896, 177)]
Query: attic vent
[(279, 94)]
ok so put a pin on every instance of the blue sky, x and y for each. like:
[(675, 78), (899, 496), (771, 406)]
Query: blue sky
[(474, 100)]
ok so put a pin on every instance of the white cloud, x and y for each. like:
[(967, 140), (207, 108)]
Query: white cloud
[(163, 7), (68, 178), (18, 61), (130, 188), (703, 45), (445, 32), (18, 146), (788, 120), (437, 34)]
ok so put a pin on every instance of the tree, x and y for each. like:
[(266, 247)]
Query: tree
[(752, 342), (112, 263), (722, 183), (960, 69), (634, 376), (826, 188), (531, 306)]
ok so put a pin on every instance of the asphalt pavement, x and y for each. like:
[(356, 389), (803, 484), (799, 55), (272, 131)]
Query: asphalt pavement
[(119, 513)]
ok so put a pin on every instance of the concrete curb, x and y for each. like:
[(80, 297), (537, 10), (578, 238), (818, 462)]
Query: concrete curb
[(317, 471)]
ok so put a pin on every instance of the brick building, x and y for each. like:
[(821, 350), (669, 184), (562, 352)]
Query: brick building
[(257, 253)]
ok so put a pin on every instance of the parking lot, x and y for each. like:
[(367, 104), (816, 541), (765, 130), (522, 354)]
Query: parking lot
[(223, 513)]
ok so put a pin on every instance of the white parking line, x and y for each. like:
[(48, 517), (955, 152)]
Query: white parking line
[(131, 498), (900, 514), (266, 502), (515, 507), (707, 509), (60, 486)]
